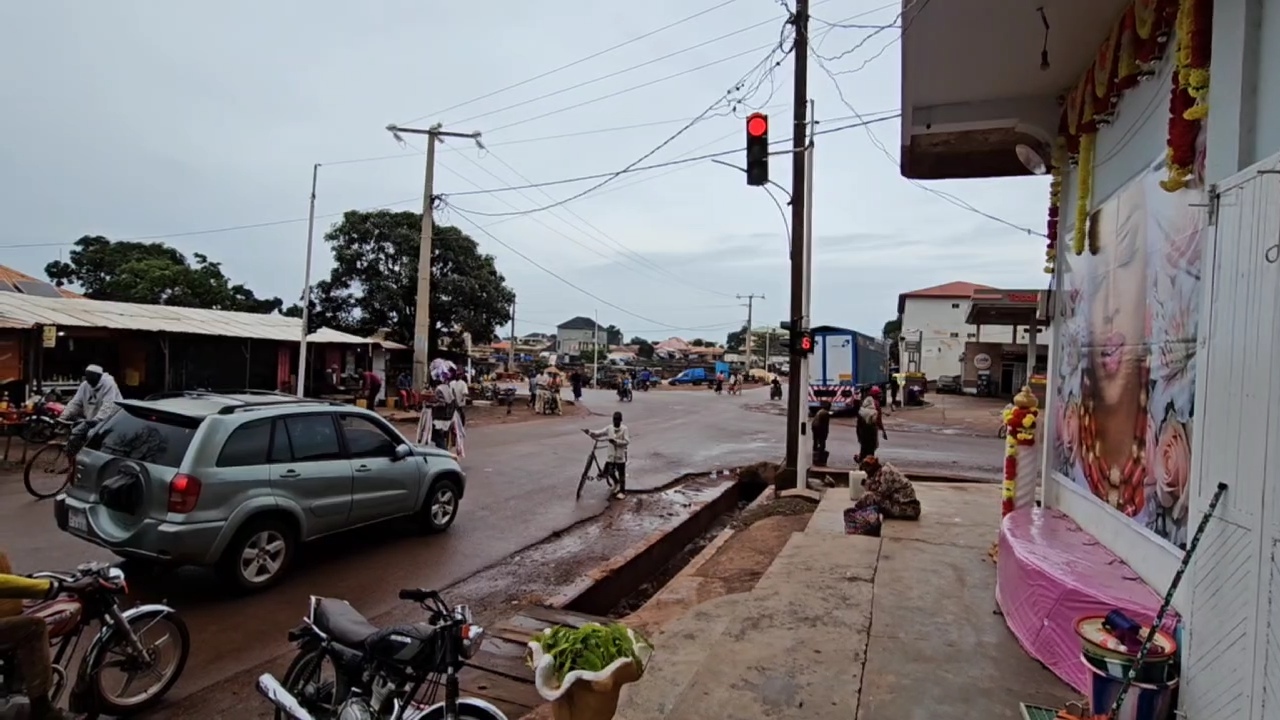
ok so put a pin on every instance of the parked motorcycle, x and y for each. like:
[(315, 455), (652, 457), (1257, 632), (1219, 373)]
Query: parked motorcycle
[(135, 657), (388, 673), (39, 424)]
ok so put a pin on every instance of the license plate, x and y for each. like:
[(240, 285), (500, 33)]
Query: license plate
[(77, 521)]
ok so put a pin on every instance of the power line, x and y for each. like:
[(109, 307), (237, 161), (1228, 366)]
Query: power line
[(676, 164), (574, 63), (616, 73), (948, 197), (610, 238), (710, 108), (553, 274), (862, 119)]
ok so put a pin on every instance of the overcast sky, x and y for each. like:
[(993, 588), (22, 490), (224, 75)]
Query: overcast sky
[(134, 118)]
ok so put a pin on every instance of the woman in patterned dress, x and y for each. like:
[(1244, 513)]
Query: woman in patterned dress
[(889, 490)]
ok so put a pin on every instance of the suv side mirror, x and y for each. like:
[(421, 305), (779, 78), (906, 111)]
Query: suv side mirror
[(402, 451)]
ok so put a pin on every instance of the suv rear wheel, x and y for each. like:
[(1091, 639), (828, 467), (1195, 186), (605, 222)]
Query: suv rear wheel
[(259, 554), (441, 506)]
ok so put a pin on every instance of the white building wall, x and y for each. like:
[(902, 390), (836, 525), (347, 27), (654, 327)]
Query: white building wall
[(942, 322)]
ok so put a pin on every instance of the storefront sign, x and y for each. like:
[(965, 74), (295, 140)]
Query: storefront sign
[(50, 335), (982, 361)]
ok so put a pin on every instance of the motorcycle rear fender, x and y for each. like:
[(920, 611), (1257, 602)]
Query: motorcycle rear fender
[(81, 693), (471, 707)]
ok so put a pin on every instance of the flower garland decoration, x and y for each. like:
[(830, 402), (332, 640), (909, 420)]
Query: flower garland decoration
[(1020, 421), (1084, 192), (1189, 95), (1058, 162)]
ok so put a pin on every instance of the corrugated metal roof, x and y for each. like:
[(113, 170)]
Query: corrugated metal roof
[(24, 311), (32, 310)]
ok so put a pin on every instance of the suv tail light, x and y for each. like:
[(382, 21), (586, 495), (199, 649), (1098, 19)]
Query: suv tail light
[(184, 492)]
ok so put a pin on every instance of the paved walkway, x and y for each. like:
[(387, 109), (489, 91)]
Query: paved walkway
[(895, 628)]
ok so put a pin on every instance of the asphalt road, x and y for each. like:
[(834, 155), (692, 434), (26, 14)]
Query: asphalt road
[(521, 480)]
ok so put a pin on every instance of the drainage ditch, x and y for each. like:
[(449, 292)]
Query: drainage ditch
[(648, 587)]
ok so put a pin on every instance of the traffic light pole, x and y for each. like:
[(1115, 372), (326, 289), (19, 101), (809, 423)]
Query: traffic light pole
[(797, 380)]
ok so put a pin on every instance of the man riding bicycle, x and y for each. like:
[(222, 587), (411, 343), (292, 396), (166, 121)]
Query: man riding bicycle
[(619, 438), (27, 636)]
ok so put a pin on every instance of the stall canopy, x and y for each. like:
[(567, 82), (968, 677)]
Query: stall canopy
[(26, 311)]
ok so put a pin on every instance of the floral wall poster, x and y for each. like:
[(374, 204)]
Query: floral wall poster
[(1127, 316)]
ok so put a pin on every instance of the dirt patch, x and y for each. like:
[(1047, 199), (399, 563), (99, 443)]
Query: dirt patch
[(782, 507)]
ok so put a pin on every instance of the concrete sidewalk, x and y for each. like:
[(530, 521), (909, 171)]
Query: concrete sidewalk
[(901, 627)]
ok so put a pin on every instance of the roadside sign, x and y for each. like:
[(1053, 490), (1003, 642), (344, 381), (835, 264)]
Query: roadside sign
[(50, 336)]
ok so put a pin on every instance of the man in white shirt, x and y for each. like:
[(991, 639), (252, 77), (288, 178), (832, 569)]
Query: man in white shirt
[(458, 388), (619, 438)]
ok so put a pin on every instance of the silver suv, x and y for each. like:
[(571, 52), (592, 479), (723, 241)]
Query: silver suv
[(237, 480)]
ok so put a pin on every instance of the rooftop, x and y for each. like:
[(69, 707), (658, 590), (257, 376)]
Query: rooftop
[(578, 323), (16, 281), (958, 289)]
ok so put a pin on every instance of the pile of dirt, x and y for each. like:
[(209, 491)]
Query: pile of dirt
[(781, 507)]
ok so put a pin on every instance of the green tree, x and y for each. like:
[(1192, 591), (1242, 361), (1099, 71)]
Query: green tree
[(892, 331), (152, 273), (736, 339), (374, 282), (637, 340), (697, 342)]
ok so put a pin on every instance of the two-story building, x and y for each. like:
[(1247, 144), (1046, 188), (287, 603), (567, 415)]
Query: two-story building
[(1158, 128), (578, 335), (940, 336)]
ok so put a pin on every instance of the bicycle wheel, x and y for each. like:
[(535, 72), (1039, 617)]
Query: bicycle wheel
[(47, 472), (586, 474)]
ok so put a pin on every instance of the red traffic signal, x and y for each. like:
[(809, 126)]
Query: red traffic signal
[(757, 149), (806, 343), (757, 125)]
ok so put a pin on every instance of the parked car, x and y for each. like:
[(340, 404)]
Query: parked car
[(949, 384), (237, 481), (692, 376)]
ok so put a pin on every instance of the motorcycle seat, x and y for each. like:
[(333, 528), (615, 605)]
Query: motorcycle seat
[(343, 623)]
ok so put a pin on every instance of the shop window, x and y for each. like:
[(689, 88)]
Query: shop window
[(955, 306), (955, 335), (972, 336)]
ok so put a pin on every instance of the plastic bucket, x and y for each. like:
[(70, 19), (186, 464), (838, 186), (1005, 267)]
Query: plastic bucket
[(1153, 670), (1145, 701)]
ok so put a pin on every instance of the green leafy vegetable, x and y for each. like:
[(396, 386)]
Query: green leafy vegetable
[(591, 647)]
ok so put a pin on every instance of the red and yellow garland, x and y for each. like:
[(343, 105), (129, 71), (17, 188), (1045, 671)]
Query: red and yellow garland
[(1058, 164), (1132, 52), (1020, 423)]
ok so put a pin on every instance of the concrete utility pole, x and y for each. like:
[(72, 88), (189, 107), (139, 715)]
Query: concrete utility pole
[(306, 286), (595, 352), (796, 415), (511, 351), (750, 328), (422, 311)]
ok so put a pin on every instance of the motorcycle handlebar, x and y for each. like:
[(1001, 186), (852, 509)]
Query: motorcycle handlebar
[(419, 595)]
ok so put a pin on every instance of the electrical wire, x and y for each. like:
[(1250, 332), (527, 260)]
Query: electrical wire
[(680, 163), (575, 63), (616, 73), (618, 244), (557, 276), (708, 111), (948, 197), (862, 119)]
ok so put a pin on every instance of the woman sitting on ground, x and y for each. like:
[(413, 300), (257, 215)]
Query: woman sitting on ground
[(889, 490)]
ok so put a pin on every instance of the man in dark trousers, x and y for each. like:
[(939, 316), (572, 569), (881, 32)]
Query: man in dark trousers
[(821, 426), (893, 391)]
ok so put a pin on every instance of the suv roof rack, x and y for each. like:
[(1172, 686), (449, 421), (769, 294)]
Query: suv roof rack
[(293, 400), (269, 398)]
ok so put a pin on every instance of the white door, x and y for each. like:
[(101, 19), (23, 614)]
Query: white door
[(1232, 656)]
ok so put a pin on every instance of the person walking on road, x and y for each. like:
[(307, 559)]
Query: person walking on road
[(461, 391), (894, 389), (869, 422), (370, 386), (619, 438), (575, 382), (821, 426)]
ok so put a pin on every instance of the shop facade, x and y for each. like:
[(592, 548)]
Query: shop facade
[(1155, 120)]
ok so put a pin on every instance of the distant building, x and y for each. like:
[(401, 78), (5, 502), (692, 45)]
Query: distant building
[(14, 281), (579, 334)]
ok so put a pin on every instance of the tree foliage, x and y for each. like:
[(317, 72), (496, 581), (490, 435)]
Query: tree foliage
[(892, 331), (374, 282), (736, 339), (152, 273)]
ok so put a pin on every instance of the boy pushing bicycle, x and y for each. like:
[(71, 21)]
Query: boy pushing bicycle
[(619, 438)]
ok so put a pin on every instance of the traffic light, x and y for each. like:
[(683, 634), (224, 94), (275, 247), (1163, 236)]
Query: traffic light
[(806, 342), (757, 149)]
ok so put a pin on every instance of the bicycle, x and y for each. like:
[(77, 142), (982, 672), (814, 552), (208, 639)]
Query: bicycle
[(55, 461), (610, 475)]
